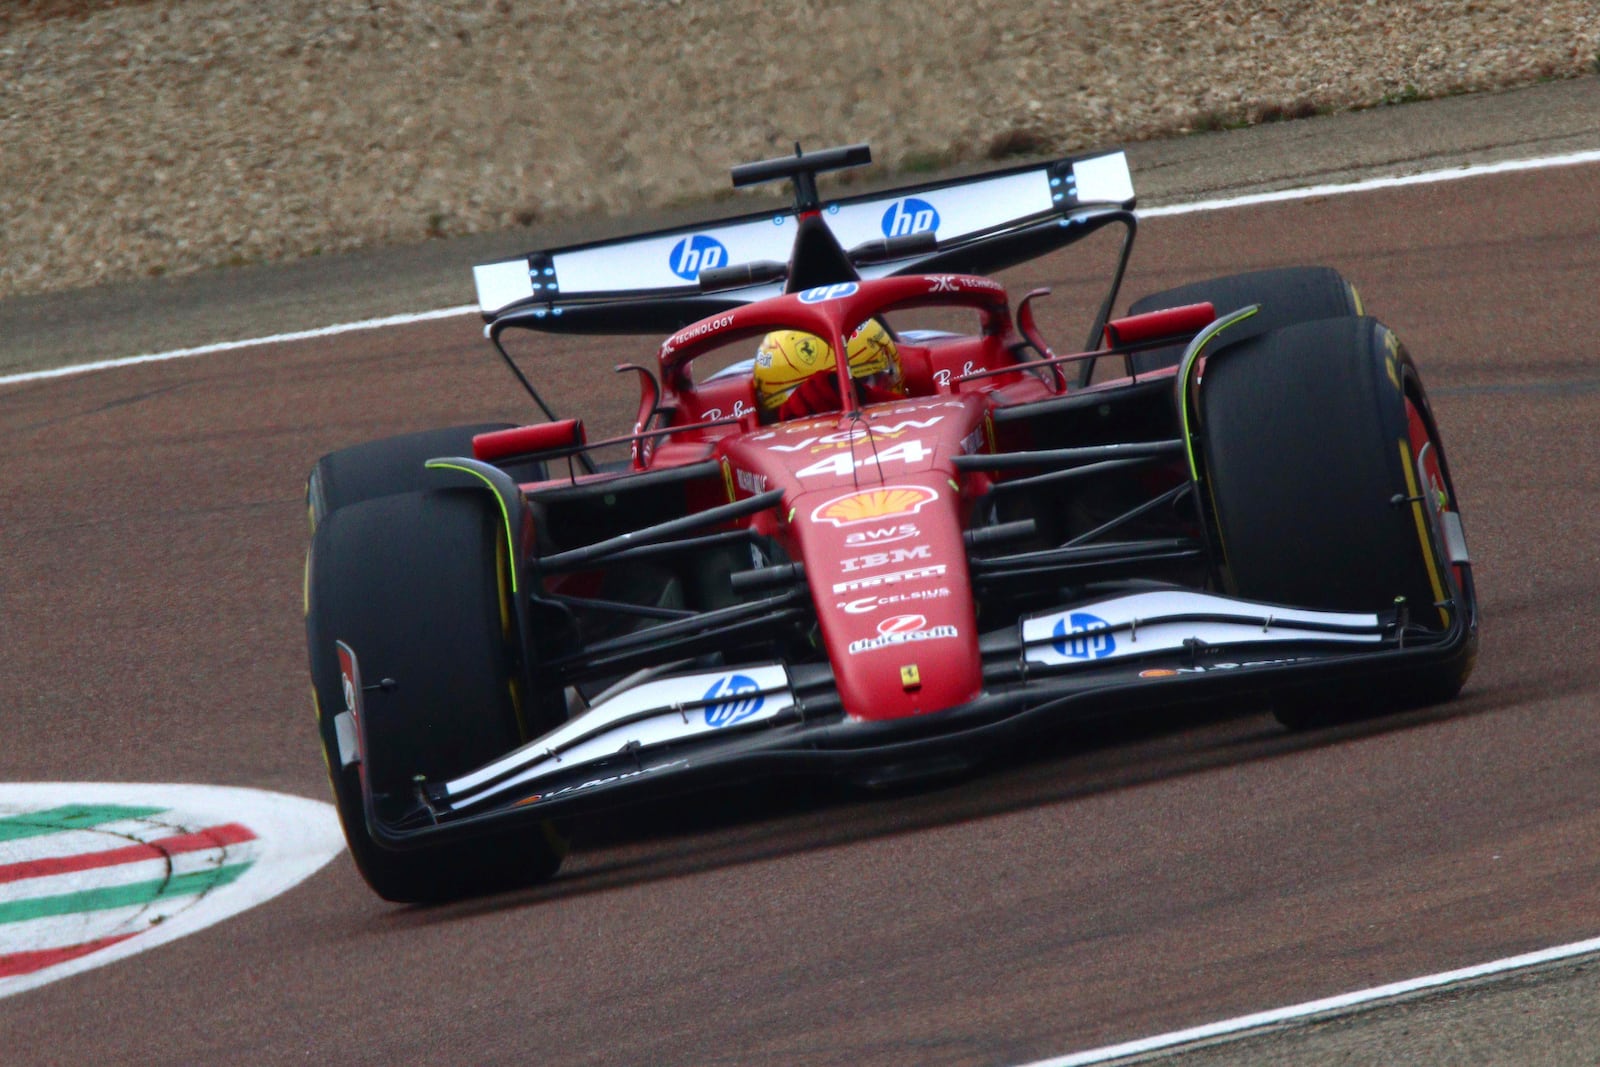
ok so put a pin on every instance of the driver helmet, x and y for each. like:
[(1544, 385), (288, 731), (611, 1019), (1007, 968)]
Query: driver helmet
[(788, 357)]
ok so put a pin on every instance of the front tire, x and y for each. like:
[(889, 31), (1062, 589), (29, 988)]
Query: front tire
[(1330, 491), (416, 585)]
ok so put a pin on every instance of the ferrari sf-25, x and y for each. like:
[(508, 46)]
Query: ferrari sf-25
[(840, 543)]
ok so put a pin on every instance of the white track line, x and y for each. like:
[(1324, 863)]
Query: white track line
[(1313, 1008), (229, 346), (1306, 192), (1476, 170)]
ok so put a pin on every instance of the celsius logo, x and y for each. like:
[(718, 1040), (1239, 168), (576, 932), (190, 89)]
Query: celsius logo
[(909, 216), (1089, 638), (740, 698), (694, 254)]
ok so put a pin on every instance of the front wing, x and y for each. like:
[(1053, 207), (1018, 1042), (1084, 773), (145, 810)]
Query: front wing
[(1111, 656)]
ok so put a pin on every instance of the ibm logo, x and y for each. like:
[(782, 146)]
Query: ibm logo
[(909, 216), (1083, 636), (694, 254)]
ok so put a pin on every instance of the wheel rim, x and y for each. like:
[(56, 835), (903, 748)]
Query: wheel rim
[(1433, 504)]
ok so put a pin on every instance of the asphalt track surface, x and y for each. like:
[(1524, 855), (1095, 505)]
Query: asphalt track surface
[(1111, 885)]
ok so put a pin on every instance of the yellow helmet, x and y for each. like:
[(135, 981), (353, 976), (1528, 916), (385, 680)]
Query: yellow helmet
[(788, 357)]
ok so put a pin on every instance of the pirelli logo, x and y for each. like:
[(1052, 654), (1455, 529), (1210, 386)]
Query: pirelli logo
[(892, 578)]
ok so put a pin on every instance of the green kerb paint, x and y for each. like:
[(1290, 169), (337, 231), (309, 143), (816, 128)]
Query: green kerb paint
[(71, 817), (119, 896)]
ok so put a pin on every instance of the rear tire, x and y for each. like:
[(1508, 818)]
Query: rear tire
[(1307, 436), (415, 584), (1287, 295)]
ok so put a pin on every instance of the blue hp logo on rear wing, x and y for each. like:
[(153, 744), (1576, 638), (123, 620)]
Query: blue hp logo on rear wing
[(909, 216), (694, 254)]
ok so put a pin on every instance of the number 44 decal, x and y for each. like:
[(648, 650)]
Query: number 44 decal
[(843, 464)]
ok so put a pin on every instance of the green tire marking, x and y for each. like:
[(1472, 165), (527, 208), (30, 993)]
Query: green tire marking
[(1191, 360), (120, 896), (434, 465), (70, 817)]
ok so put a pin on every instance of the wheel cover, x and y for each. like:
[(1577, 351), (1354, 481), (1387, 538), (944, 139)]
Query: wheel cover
[(1432, 506)]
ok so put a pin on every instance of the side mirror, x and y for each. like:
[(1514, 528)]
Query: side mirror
[(526, 440), (1186, 321)]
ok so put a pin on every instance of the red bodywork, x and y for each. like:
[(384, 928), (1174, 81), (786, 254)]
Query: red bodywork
[(873, 503)]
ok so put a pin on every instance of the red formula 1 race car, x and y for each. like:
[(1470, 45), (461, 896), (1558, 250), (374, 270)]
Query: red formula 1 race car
[(878, 565)]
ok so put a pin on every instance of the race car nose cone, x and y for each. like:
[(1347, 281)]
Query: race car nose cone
[(887, 568)]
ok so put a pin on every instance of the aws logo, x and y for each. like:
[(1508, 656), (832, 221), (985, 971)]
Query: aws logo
[(883, 535), (694, 254), (910, 215)]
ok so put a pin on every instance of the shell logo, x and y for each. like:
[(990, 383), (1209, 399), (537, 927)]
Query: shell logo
[(869, 504)]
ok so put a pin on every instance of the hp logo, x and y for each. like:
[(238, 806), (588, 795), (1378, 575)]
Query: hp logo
[(1089, 637), (828, 292), (694, 254), (909, 216), (740, 698)]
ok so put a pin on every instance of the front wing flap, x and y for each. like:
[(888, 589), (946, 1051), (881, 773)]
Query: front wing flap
[(1108, 656)]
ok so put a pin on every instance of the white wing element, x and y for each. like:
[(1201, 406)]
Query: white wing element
[(1144, 623), (653, 713), (673, 259)]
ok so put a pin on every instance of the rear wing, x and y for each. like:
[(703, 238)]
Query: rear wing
[(652, 281)]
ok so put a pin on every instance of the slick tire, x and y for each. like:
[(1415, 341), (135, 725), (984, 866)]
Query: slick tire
[(1287, 295), (1311, 437), (415, 584), (392, 465)]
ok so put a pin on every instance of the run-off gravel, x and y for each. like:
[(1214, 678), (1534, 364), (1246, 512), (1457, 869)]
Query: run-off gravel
[(166, 136)]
